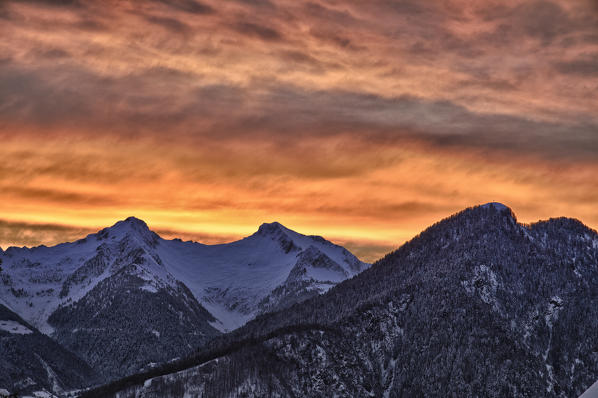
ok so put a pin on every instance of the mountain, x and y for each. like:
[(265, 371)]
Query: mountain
[(476, 305), (271, 269), (124, 298), (31, 361)]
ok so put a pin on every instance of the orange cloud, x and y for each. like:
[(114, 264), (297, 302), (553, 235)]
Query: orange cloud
[(363, 123)]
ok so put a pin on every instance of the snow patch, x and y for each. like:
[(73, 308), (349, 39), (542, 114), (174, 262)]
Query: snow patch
[(14, 327), (52, 376), (149, 288), (591, 392)]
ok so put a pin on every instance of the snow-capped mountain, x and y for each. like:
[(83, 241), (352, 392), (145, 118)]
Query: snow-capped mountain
[(238, 280), (124, 297), (476, 305)]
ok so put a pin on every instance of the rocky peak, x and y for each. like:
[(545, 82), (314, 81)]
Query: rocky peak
[(132, 227), (273, 228)]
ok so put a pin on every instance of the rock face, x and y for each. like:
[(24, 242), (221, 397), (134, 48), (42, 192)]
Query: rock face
[(125, 299), (476, 305), (31, 361)]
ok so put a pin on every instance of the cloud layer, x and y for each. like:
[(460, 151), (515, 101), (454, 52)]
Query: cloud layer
[(361, 121)]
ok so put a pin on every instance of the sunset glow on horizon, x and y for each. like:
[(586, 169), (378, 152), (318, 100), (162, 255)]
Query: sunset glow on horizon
[(363, 123)]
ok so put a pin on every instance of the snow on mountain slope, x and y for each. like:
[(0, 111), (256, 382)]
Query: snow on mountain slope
[(229, 280), (591, 392), (36, 281)]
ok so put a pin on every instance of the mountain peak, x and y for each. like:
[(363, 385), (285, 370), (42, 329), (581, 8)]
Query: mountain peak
[(136, 222), (130, 225), (271, 228), (496, 205)]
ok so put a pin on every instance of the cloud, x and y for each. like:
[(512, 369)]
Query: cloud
[(30, 234), (541, 20), (585, 66), (339, 40), (190, 6), (222, 107), (258, 3), (257, 30), (58, 196), (272, 111), (57, 3), (172, 24)]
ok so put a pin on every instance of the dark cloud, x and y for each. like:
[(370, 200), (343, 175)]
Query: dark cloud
[(190, 6), (406, 7), (90, 24), (57, 196), (273, 110), (585, 65), (172, 24), (492, 84), (338, 39), (51, 53), (57, 3), (590, 38), (257, 3), (158, 99), (330, 15), (542, 20), (256, 30), (31, 234)]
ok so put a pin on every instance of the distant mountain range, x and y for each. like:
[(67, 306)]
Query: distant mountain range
[(125, 299), (477, 305)]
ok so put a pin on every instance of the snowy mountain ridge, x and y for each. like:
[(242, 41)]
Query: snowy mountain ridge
[(229, 280)]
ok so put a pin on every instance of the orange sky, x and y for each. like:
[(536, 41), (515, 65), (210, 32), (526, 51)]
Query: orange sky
[(363, 122)]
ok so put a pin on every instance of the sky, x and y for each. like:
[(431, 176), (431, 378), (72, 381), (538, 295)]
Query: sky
[(361, 121)]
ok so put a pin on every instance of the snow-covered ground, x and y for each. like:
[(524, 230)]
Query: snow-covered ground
[(14, 327), (591, 392)]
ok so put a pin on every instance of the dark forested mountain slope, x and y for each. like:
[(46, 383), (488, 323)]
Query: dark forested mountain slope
[(476, 305), (121, 326), (30, 361)]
